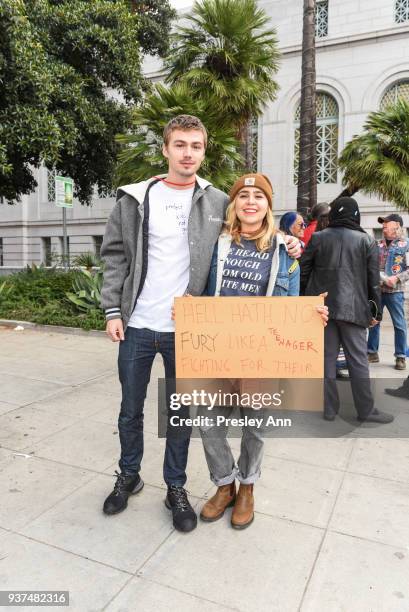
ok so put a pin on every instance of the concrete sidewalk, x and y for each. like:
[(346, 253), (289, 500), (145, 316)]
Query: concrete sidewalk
[(331, 532)]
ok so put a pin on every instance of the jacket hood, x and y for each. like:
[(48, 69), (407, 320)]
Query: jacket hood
[(138, 190)]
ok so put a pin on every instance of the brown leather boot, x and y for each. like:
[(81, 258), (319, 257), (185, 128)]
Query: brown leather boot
[(243, 511), (224, 497)]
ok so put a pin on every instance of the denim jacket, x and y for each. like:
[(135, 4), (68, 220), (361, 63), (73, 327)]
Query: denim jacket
[(394, 261), (284, 275)]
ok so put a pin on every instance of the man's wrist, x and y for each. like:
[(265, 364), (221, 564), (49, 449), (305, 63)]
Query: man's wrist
[(112, 313)]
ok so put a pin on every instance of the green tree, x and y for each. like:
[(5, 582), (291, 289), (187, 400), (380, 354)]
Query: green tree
[(155, 17), (227, 54), (60, 62), (377, 161), (307, 166), (141, 156)]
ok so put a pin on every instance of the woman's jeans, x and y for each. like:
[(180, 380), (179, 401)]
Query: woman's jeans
[(222, 467), (135, 359), (395, 303)]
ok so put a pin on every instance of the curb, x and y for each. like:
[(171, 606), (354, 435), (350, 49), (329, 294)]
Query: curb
[(60, 329)]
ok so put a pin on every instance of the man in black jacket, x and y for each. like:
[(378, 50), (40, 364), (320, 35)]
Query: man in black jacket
[(343, 261)]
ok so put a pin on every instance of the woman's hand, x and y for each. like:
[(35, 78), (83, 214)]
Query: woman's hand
[(172, 310), (323, 310), (293, 246)]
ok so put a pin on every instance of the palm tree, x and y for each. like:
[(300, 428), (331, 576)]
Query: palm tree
[(227, 54), (377, 161), (307, 167), (141, 155)]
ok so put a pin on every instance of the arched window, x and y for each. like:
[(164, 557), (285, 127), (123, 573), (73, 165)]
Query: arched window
[(327, 138), (396, 91)]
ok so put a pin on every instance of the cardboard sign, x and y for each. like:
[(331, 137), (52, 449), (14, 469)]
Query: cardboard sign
[(237, 337)]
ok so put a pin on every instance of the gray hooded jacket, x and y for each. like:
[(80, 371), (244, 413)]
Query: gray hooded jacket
[(125, 246)]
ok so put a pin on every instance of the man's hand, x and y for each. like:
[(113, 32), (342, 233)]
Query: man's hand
[(115, 330), (373, 323), (323, 310), (293, 246), (391, 281)]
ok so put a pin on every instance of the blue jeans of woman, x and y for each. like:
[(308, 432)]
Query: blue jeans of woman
[(135, 359)]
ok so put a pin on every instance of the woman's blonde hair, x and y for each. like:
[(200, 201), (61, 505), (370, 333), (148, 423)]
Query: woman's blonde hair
[(264, 236)]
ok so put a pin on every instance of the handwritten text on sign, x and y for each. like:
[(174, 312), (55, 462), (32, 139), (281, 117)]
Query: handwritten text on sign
[(271, 337)]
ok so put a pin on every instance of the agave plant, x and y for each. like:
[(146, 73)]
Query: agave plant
[(86, 290), (87, 260)]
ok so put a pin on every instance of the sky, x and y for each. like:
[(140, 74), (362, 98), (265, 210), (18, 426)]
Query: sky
[(178, 4)]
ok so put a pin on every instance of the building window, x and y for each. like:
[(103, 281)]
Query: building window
[(327, 139), (1, 252), (46, 257), (392, 95), (51, 185), (321, 18), (252, 145), (401, 11), (97, 245)]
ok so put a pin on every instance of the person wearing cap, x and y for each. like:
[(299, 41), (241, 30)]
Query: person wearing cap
[(343, 260), (394, 270), (250, 259)]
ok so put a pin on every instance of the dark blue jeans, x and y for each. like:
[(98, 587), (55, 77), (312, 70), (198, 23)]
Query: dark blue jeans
[(395, 303), (136, 355)]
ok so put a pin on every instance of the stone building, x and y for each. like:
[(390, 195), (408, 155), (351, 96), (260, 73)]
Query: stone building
[(362, 63)]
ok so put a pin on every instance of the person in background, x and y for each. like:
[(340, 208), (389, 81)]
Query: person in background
[(318, 210), (292, 224), (343, 260), (322, 223), (394, 267)]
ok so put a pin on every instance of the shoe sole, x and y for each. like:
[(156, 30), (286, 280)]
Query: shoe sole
[(398, 395), (219, 516), (239, 527), (136, 490)]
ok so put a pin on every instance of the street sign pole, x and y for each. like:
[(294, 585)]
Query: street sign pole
[(64, 239), (64, 187)]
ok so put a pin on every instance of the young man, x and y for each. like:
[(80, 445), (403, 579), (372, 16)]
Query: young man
[(158, 244), (393, 264)]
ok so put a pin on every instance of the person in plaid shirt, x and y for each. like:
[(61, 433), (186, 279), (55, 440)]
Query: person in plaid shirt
[(394, 269)]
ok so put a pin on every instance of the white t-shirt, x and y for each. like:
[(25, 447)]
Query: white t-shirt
[(168, 257)]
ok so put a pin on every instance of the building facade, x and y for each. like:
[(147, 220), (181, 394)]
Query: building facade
[(362, 64)]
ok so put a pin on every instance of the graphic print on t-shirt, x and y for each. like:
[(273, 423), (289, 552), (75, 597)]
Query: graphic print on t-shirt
[(246, 271), (177, 210)]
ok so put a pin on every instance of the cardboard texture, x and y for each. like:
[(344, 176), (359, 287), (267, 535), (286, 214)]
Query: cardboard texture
[(249, 338)]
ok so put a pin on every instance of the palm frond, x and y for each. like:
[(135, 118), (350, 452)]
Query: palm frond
[(377, 161)]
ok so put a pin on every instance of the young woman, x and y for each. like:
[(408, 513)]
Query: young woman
[(318, 211), (249, 236)]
